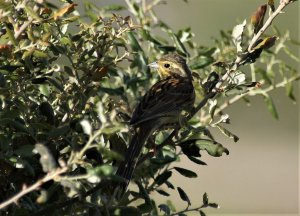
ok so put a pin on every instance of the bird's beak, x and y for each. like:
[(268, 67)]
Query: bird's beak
[(153, 65)]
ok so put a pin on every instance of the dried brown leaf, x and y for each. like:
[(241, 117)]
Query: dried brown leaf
[(257, 18)]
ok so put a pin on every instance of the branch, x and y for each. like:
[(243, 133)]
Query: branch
[(35, 186), (186, 210), (89, 143), (222, 80), (25, 24), (168, 140), (282, 5), (59, 205), (238, 97)]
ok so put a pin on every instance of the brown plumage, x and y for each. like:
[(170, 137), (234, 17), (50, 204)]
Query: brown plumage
[(162, 105)]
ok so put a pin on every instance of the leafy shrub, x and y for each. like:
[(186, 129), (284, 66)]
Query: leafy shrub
[(69, 82)]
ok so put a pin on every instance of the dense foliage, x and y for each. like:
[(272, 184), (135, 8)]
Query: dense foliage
[(69, 82)]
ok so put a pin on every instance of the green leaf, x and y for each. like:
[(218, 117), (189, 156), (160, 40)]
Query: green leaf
[(143, 192), (47, 111), (205, 199), (32, 13), (181, 48), (27, 58), (206, 51), (227, 133), (86, 126), (213, 148), (127, 211), (68, 70), (213, 205), (66, 41), (112, 91), (196, 160), (60, 131), (145, 207), (212, 107), (295, 42), (290, 54), (266, 43), (201, 62), (25, 151), (19, 126), (202, 213), (183, 196), (143, 63), (47, 160), (189, 148), (10, 34), (164, 208), (39, 80), (147, 36), (9, 114), (162, 178), (290, 91), (135, 46), (162, 192), (5, 5), (271, 106), (40, 54), (186, 172), (171, 205), (170, 185), (167, 48), (163, 160), (45, 89), (55, 83), (103, 170), (9, 68)]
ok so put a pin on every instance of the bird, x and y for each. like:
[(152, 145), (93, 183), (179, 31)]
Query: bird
[(162, 106)]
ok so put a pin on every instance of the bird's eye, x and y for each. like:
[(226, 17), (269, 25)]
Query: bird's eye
[(166, 65)]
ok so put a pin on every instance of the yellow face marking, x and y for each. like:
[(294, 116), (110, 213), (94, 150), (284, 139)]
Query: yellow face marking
[(167, 68)]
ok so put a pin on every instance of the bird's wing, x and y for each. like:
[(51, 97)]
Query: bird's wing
[(167, 97)]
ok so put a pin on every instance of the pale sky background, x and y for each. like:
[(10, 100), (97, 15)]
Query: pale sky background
[(261, 174)]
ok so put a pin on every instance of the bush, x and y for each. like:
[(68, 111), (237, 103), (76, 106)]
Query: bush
[(69, 82)]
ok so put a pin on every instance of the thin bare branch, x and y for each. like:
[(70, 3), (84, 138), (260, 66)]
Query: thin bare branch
[(238, 97), (35, 186), (269, 21)]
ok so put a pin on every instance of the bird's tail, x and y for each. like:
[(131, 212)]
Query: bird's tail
[(127, 167)]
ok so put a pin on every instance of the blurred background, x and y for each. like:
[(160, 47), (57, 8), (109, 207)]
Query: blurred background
[(261, 174)]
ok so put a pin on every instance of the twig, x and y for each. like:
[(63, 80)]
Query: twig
[(25, 24), (35, 186), (269, 21), (88, 144), (222, 80), (59, 205), (186, 210), (238, 97)]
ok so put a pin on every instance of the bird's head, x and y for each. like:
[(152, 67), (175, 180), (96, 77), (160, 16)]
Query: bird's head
[(171, 65)]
